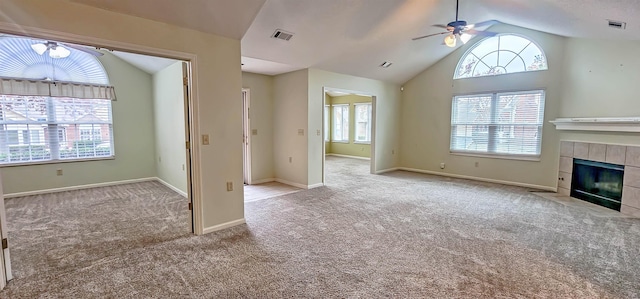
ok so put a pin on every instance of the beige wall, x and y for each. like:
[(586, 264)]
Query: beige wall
[(290, 115), (169, 125), (386, 114), (426, 116), (601, 80), (351, 148), (132, 133), (261, 96), (216, 88)]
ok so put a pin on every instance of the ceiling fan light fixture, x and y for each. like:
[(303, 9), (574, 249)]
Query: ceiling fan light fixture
[(450, 40), (59, 52), (39, 48), (465, 37)]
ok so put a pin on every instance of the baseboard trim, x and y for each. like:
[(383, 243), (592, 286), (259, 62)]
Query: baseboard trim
[(387, 170), (292, 184), (315, 185), (79, 187), (222, 226), (161, 181), (348, 156), (262, 181), (468, 177)]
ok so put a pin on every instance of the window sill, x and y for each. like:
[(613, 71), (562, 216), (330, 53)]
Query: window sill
[(33, 163), (362, 142), (336, 141), (532, 158)]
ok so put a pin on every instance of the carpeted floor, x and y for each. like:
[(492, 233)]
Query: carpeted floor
[(398, 235)]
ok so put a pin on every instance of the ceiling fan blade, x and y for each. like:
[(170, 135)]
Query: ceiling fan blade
[(83, 49), (483, 24), (421, 37), (439, 26)]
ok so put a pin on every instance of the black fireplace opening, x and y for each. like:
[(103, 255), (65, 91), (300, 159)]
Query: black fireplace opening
[(597, 182)]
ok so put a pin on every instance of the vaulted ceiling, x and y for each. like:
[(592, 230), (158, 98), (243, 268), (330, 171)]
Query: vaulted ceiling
[(355, 36)]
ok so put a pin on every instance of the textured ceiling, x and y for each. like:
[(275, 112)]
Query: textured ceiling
[(355, 36), (229, 18)]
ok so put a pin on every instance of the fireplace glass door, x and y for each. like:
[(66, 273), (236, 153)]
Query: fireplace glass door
[(597, 182)]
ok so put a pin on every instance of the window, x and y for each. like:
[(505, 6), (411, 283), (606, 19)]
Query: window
[(327, 120), (507, 124), (340, 123), (501, 54), (363, 122), (83, 129), (62, 112)]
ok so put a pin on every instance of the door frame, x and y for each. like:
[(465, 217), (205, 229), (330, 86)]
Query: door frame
[(246, 134), (374, 100), (195, 193), (5, 260)]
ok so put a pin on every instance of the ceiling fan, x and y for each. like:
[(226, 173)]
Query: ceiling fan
[(459, 29), (59, 50)]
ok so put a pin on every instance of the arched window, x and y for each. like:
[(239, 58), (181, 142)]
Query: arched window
[(55, 103), (501, 54), (19, 59)]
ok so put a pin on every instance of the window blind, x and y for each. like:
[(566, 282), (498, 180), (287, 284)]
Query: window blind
[(498, 123)]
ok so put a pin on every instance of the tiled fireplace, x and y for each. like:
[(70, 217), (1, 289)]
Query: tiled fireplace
[(626, 156)]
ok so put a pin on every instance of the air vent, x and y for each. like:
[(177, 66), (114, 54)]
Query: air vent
[(281, 34), (386, 64), (617, 24)]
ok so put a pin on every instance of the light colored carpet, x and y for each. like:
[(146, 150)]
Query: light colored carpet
[(399, 235), (267, 190)]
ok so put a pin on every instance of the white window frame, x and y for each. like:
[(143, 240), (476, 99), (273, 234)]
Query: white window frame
[(355, 121), (345, 120), (493, 124), (54, 144)]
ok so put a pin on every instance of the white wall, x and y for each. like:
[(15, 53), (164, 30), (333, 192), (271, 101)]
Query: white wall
[(426, 116), (169, 125), (387, 116), (261, 96), (601, 80), (290, 92), (217, 85), (132, 133)]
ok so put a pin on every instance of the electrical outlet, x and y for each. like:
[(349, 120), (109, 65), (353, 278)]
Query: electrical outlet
[(183, 167), (442, 165), (318, 132), (254, 131), (229, 186), (205, 139), (59, 171), (301, 132)]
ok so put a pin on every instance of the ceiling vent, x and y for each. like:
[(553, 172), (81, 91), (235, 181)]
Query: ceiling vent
[(283, 35), (386, 64), (617, 24)]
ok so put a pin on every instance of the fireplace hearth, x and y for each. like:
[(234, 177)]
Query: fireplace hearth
[(598, 182)]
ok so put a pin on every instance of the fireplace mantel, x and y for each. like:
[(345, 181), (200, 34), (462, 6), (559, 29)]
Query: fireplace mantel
[(607, 124)]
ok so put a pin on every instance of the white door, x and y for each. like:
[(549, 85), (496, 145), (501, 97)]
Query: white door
[(246, 137), (187, 137), (5, 274)]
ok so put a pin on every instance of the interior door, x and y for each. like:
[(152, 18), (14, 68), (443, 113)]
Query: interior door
[(5, 274), (187, 137), (246, 137)]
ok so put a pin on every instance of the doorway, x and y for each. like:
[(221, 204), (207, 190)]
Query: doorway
[(348, 128), (183, 117)]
